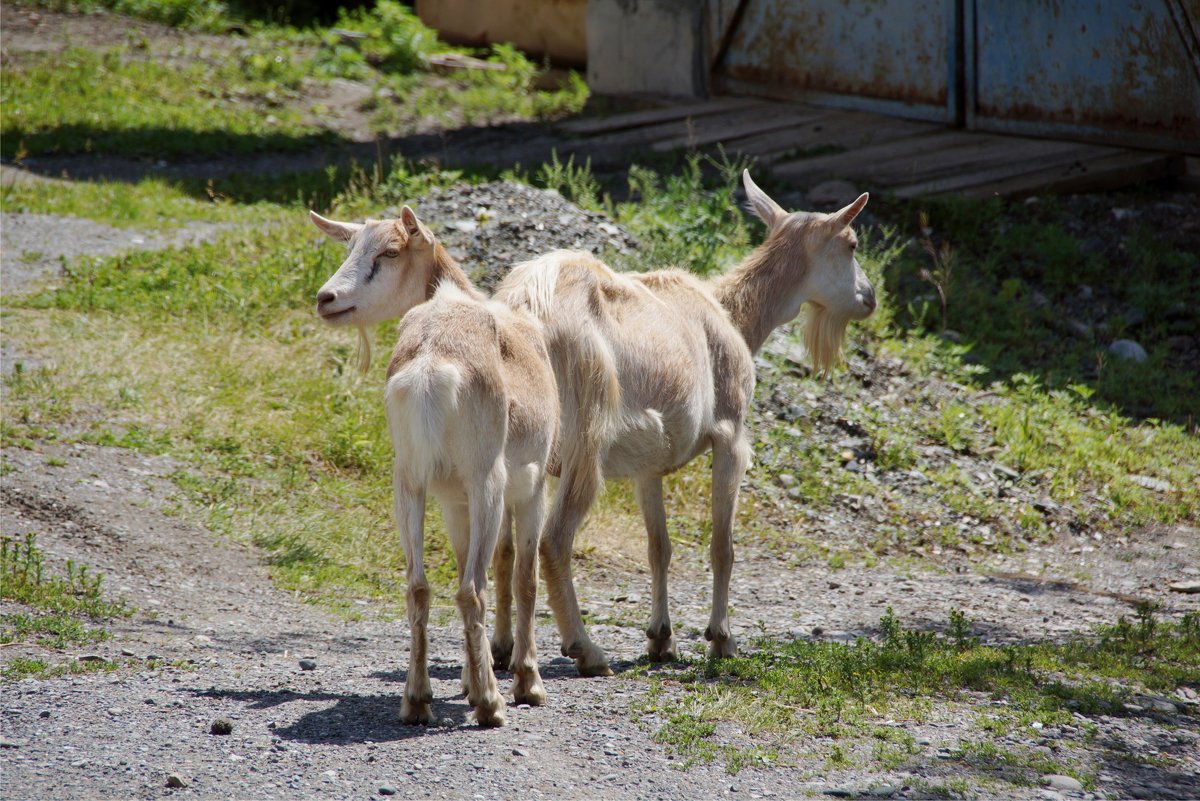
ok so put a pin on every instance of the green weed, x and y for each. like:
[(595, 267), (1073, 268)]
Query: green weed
[(840, 690)]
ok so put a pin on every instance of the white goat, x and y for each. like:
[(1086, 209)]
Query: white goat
[(655, 368), (472, 412)]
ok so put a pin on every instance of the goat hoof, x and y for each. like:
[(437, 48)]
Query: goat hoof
[(723, 648), (490, 713), (660, 650), (416, 713), (528, 688), (502, 652)]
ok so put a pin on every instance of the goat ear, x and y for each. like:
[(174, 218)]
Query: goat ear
[(340, 231), (767, 210), (415, 228), (842, 219)]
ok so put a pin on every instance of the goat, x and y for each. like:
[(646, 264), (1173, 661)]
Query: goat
[(655, 368), (472, 413)]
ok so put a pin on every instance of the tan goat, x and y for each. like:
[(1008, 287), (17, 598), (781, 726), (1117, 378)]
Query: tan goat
[(472, 412), (656, 368)]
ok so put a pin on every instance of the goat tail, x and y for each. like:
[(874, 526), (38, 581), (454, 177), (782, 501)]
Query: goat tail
[(420, 398)]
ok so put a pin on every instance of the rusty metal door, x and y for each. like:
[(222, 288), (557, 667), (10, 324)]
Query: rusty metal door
[(1099, 69), (898, 56), (1123, 71)]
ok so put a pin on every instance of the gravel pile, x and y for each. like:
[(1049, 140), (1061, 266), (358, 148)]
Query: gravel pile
[(490, 227)]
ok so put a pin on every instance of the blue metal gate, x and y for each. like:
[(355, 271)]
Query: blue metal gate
[(1108, 70)]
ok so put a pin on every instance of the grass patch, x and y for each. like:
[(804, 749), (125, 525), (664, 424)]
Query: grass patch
[(25, 580), (838, 693), (63, 612), (86, 101)]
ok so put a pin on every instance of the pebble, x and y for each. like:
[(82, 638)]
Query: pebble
[(175, 780), (308, 664), (1059, 782), (1190, 587), (520, 752), (221, 726), (1128, 350), (387, 789)]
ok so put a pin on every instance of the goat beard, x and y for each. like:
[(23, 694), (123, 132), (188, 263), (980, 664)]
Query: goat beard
[(823, 335), (364, 349)]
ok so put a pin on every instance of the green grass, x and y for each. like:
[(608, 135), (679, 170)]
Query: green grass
[(837, 694), (63, 610), (86, 101), (1002, 254), (26, 581), (254, 96), (150, 203)]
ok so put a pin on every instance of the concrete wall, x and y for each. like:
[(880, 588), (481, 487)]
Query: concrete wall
[(647, 47)]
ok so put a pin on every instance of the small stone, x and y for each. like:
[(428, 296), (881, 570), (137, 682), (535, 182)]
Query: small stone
[(127, 652), (308, 664), (175, 780), (521, 752), (1128, 350), (221, 726), (1079, 329), (387, 789), (90, 658), (787, 480), (1060, 782), (7, 743), (45, 713), (795, 493), (1005, 472), (1151, 483), (883, 791), (1190, 587)]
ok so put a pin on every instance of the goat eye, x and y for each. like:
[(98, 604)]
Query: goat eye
[(391, 253)]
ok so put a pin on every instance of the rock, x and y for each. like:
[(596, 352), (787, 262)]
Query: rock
[(833, 193), (45, 713), (7, 743), (1149, 482), (882, 791), (175, 780), (1037, 300), (387, 789), (90, 658), (1064, 783), (1128, 350), (786, 480), (221, 726), (1005, 472), (520, 752), (308, 664), (1079, 329), (1190, 587)]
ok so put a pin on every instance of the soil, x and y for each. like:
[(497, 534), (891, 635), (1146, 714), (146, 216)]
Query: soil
[(212, 638)]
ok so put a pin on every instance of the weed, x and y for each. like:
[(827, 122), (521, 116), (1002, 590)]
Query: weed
[(835, 689), (24, 580)]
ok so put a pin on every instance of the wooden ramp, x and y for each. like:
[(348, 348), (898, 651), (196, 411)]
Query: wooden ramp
[(805, 145)]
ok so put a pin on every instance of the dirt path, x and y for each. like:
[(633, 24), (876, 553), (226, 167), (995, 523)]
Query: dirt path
[(231, 646)]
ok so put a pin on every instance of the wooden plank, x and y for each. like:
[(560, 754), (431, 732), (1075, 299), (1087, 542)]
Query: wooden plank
[(980, 154), (1107, 172), (960, 180), (637, 119), (730, 128), (857, 160), (841, 129)]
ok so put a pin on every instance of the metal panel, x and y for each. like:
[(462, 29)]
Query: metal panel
[(898, 56), (1101, 69)]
